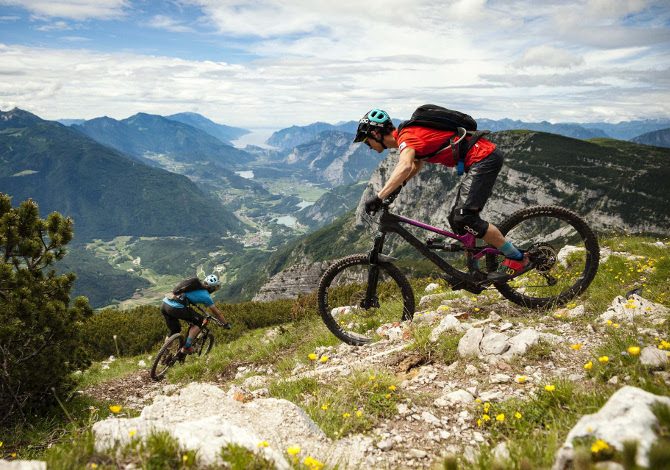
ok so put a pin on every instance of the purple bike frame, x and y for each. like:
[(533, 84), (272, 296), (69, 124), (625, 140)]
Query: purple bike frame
[(468, 240)]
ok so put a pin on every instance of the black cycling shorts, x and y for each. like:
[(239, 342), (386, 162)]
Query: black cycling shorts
[(474, 190), (173, 315)]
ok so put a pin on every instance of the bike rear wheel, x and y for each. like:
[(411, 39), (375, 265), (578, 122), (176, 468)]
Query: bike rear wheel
[(562, 245), (203, 345), (342, 289), (167, 355)]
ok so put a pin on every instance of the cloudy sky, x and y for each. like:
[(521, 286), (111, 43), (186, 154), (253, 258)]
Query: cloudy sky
[(273, 63)]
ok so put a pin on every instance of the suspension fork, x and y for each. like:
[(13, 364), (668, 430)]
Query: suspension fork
[(371, 299)]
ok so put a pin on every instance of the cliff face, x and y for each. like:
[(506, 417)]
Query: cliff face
[(298, 279)]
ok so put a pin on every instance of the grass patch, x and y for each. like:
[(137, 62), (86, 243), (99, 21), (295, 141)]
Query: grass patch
[(30, 439), (619, 356), (534, 429), (444, 350), (354, 404)]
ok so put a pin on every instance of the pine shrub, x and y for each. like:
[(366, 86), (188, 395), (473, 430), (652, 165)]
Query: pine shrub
[(40, 329)]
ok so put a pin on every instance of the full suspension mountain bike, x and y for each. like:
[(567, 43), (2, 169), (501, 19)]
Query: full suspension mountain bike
[(171, 353), (360, 292)]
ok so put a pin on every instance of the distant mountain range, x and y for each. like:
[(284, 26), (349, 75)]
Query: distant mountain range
[(660, 138), (331, 157), (147, 137), (627, 130), (105, 192), (222, 132)]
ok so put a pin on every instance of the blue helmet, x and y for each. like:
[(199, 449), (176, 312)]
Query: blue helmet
[(374, 120)]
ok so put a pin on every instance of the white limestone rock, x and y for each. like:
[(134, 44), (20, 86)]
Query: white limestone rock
[(203, 418), (627, 416), (432, 287), (626, 310), (653, 358), (22, 465), (448, 323)]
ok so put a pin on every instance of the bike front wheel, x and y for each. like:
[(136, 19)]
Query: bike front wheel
[(167, 355), (343, 305), (203, 345), (563, 249)]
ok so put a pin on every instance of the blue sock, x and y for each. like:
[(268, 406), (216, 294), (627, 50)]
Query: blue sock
[(188, 342), (510, 251)]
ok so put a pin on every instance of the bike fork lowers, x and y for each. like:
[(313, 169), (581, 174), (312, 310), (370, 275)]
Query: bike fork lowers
[(371, 299)]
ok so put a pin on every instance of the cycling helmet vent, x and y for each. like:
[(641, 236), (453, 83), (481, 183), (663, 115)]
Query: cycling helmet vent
[(212, 280), (375, 119)]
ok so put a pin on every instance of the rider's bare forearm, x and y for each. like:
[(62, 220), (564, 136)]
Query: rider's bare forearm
[(217, 312), (406, 168)]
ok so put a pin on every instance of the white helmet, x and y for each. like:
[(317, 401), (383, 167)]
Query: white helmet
[(212, 280)]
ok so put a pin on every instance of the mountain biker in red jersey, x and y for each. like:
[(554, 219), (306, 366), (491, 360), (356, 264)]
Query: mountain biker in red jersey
[(482, 165)]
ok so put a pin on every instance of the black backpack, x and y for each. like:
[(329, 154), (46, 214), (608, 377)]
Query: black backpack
[(187, 285), (437, 117)]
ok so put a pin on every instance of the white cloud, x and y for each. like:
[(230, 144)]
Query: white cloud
[(549, 56), (169, 24), (55, 26), (517, 58), (73, 9)]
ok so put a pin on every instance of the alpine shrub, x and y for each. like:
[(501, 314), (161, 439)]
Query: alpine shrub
[(40, 329)]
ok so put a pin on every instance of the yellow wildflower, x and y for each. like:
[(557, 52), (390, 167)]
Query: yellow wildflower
[(500, 418), (487, 407), (346, 415), (387, 396), (664, 344), (615, 325), (324, 359), (588, 365), (324, 407), (518, 415), (372, 377), (479, 422), (13, 455), (477, 309), (520, 379), (359, 413), (263, 444), (550, 388), (115, 408), (392, 388), (184, 458), (93, 465), (603, 359), (312, 463), (576, 346), (633, 350), (1, 443), (478, 400), (132, 432), (486, 418), (609, 322), (599, 446), (312, 357), (293, 450)]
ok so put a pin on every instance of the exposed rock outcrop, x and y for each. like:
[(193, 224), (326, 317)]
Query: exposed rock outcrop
[(203, 417), (627, 416), (297, 279)]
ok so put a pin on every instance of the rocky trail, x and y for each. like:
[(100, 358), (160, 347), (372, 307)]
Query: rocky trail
[(498, 357)]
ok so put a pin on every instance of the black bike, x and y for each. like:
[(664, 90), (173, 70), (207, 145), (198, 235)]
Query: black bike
[(360, 292), (171, 352)]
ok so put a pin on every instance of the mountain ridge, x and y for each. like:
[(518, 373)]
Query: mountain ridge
[(107, 193)]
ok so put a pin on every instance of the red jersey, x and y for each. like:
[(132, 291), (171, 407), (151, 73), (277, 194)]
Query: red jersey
[(425, 141)]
